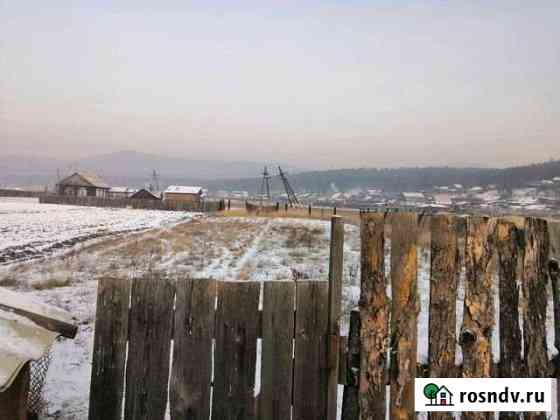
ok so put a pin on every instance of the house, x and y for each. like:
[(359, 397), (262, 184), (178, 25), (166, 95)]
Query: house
[(183, 194), (145, 194), (121, 192), (81, 184), (444, 396)]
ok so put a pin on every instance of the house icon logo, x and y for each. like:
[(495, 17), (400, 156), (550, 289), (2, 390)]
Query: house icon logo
[(439, 396)]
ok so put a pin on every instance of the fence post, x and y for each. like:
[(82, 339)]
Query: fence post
[(374, 318), (404, 310), (336, 266), (309, 210), (554, 273)]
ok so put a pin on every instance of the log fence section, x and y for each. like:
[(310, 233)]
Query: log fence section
[(521, 253)]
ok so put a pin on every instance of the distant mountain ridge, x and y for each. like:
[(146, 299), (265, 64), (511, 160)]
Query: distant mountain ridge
[(405, 179), (134, 169), (123, 168)]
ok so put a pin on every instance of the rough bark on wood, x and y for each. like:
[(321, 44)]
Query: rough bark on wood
[(374, 316), (236, 351), (404, 311), (554, 273), (508, 250), (336, 268), (478, 313), (311, 367), (191, 374), (109, 349), (350, 399), (444, 277), (534, 278), (277, 351), (13, 401), (150, 326)]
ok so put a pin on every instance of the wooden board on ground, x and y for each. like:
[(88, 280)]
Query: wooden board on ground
[(374, 317), (310, 373), (150, 325), (235, 353), (109, 349), (191, 375), (404, 312), (277, 350), (46, 316)]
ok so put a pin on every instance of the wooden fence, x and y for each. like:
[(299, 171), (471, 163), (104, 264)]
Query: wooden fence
[(212, 330), (204, 206), (509, 260)]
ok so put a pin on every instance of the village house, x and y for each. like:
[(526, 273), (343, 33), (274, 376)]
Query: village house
[(81, 184), (145, 194), (183, 194)]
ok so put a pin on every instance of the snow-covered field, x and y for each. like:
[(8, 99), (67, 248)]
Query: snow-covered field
[(29, 229)]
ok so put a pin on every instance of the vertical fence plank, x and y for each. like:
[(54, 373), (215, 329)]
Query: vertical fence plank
[(534, 280), (192, 349), (277, 350), (310, 373), (444, 277), (336, 267), (236, 349), (350, 400), (508, 249), (374, 316), (478, 313), (109, 349), (554, 273), (404, 313), (150, 325)]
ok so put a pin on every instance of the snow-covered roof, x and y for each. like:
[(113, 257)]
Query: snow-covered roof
[(413, 195), (123, 190), (182, 189)]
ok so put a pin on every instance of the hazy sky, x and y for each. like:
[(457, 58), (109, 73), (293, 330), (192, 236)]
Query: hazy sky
[(313, 83)]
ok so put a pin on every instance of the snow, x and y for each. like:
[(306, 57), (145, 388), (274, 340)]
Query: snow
[(180, 189), (30, 229)]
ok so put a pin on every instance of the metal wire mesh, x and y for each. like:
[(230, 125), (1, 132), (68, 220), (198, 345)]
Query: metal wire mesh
[(36, 404)]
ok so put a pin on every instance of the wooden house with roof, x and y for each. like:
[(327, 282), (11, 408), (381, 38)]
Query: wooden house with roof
[(81, 184)]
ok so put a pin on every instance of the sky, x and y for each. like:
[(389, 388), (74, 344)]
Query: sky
[(318, 84)]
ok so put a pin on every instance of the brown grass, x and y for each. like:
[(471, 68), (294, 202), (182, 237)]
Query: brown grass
[(52, 283)]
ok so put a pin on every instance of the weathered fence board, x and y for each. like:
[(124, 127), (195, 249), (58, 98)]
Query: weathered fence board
[(350, 398), (534, 280), (235, 353), (554, 273), (444, 277), (310, 373), (191, 374), (150, 326), (109, 356), (508, 251), (478, 313), (277, 351), (404, 311), (336, 268), (374, 315)]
